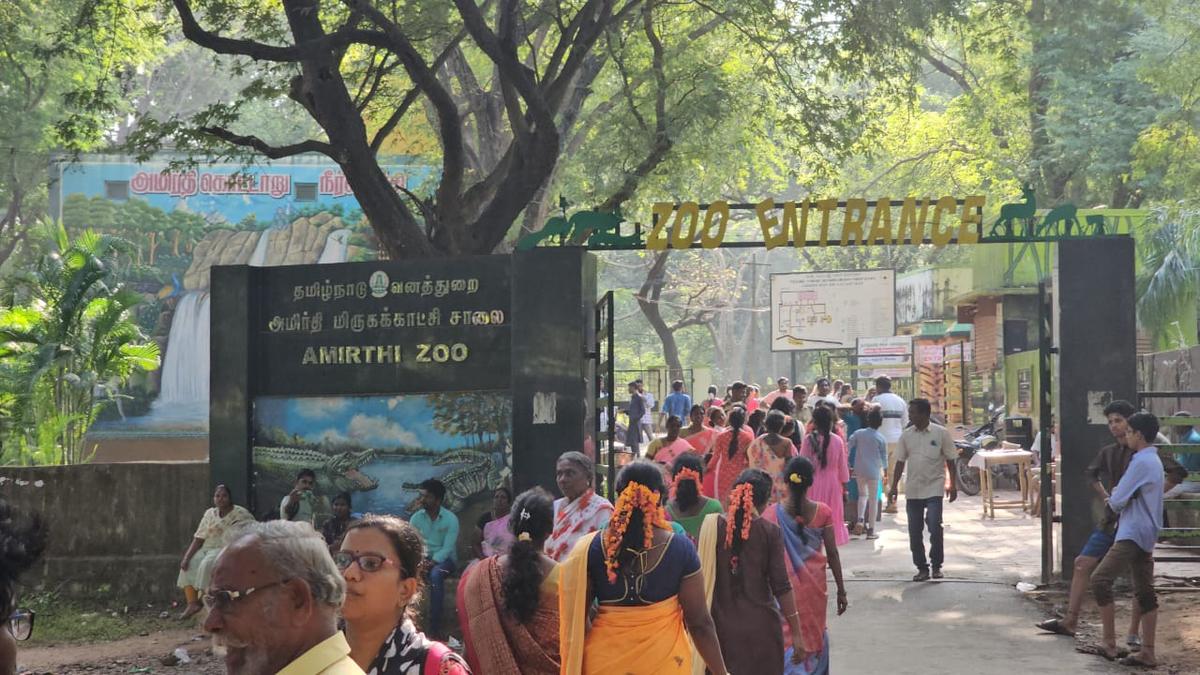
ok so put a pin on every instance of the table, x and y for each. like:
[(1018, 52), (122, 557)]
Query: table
[(985, 460)]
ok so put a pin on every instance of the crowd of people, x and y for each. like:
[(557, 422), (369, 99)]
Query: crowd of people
[(715, 556)]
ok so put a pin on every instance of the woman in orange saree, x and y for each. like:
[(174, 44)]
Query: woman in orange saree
[(649, 589), (729, 458), (508, 604)]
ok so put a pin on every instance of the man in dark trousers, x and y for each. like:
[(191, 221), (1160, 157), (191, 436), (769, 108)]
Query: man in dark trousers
[(927, 450), (636, 410)]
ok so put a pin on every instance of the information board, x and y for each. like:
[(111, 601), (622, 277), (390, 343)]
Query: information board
[(890, 356), (831, 310)]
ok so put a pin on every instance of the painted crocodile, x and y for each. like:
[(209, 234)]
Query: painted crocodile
[(338, 472), (479, 473)]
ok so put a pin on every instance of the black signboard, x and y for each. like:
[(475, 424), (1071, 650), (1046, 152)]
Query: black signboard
[(384, 327)]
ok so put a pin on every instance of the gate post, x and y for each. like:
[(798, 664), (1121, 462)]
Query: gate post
[(1096, 320), (553, 303)]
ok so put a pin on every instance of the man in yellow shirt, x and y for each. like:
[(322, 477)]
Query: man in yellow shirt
[(273, 603)]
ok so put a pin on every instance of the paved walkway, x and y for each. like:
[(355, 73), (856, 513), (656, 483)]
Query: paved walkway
[(974, 621)]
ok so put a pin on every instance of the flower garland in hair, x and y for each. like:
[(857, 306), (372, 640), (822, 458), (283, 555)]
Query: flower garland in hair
[(798, 480), (741, 499), (635, 496), (684, 474)]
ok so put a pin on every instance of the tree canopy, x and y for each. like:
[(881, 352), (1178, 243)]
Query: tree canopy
[(509, 87)]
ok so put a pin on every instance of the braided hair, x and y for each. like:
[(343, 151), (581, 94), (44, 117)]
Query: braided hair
[(822, 431), (737, 418), (635, 515), (798, 474), (531, 521), (749, 497), (684, 488)]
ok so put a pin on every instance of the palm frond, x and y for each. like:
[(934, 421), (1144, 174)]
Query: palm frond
[(1168, 283)]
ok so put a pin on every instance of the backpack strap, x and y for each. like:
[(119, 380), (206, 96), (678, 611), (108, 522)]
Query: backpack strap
[(439, 658)]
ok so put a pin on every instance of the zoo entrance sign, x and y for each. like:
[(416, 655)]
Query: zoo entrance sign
[(824, 222), (366, 326)]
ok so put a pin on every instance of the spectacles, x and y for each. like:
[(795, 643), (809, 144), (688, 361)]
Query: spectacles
[(20, 624), (223, 600), (367, 562)]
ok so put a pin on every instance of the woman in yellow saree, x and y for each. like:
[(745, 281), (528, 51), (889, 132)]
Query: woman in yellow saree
[(646, 585)]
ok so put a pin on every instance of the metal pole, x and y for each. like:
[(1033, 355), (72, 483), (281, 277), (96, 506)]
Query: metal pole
[(962, 380), (1045, 349), (753, 314)]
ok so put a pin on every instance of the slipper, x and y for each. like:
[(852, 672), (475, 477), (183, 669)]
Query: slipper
[(1133, 660), (1097, 650), (1055, 626)]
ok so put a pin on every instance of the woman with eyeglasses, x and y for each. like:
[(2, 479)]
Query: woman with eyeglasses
[(380, 560), (508, 603), (22, 541)]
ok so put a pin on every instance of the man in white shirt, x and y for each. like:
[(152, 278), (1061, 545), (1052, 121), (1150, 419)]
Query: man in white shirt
[(647, 423), (928, 451), (824, 391), (895, 418)]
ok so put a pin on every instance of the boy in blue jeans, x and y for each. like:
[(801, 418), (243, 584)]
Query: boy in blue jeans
[(1138, 502)]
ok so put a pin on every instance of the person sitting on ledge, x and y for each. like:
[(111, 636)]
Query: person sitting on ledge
[(217, 527)]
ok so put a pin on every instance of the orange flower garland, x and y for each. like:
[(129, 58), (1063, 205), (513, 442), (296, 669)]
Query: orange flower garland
[(741, 499), (684, 474), (639, 497)]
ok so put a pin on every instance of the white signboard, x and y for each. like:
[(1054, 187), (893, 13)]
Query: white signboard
[(831, 310), (891, 356)]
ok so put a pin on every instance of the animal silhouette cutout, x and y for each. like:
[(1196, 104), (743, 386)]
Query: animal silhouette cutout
[(1064, 215), (1011, 214), (600, 228)]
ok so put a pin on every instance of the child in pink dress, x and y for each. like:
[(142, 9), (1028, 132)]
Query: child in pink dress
[(827, 452)]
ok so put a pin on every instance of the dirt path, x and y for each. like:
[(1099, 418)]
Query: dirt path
[(141, 654)]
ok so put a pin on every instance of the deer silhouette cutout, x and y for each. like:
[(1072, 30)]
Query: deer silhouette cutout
[(1064, 215), (1096, 223), (1012, 213)]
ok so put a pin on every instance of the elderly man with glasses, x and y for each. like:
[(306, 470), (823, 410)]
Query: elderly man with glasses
[(273, 603)]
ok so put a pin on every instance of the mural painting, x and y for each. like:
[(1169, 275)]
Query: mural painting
[(183, 221), (380, 448)]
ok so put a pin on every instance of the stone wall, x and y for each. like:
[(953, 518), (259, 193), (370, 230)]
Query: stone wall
[(114, 528)]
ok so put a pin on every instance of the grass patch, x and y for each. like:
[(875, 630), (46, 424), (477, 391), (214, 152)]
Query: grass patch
[(59, 621)]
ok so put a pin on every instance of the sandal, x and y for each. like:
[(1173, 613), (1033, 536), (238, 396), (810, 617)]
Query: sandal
[(1055, 626), (1135, 661), (1098, 650)]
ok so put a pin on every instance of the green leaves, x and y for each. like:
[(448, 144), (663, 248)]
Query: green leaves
[(74, 336), (1167, 284)]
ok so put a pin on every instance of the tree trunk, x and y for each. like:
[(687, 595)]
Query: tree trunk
[(648, 302), (322, 91)]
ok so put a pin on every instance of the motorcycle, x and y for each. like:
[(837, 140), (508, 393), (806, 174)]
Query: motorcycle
[(981, 438)]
